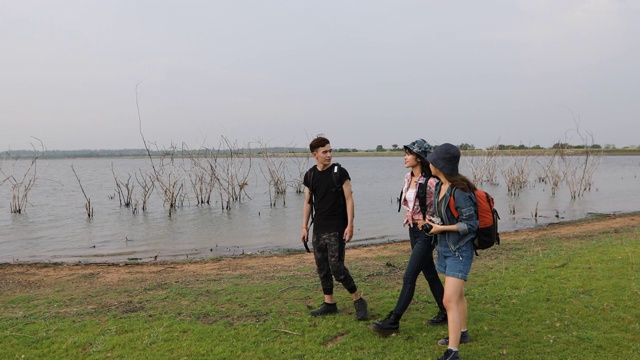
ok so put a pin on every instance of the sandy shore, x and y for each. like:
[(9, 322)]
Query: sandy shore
[(52, 274)]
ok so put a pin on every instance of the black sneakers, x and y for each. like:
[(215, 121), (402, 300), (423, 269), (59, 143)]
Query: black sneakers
[(325, 309), (464, 338), (439, 319), (387, 326), (361, 309), (450, 355)]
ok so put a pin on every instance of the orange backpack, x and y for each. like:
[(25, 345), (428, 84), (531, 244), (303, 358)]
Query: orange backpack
[(488, 217)]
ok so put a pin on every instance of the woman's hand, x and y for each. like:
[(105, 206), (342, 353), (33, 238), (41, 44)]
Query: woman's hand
[(435, 228), (420, 223)]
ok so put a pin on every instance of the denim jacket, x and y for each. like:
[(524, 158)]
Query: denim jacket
[(467, 223)]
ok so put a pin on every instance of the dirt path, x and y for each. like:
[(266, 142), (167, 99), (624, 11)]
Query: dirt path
[(23, 276)]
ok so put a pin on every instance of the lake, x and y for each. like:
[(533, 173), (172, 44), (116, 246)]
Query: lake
[(55, 226)]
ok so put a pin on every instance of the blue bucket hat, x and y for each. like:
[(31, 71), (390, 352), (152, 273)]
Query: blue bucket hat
[(420, 147), (446, 158)]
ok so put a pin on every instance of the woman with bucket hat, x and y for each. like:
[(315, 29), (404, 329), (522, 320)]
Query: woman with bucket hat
[(455, 241), (417, 200)]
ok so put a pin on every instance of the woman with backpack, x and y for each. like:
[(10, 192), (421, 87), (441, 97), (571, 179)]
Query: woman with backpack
[(455, 240), (417, 200)]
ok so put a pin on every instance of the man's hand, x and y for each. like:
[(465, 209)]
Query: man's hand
[(305, 239), (348, 234)]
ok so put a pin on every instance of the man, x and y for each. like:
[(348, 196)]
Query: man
[(332, 202)]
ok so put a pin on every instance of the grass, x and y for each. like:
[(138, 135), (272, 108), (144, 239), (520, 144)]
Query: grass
[(574, 297)]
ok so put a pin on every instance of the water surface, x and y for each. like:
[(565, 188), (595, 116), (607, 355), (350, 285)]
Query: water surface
[(55, 227)]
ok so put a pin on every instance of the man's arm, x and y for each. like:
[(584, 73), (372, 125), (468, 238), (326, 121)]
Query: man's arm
[(348, 197), (306, 213)]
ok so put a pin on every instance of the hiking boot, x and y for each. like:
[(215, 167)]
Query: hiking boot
[(450, 355), (390, 324), (464, 338), (439, 319), (361, 309), (325, 309)]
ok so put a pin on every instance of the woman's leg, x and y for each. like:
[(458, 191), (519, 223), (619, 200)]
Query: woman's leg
[(463, 310), (431, 274), (419, 248), (456, 305)]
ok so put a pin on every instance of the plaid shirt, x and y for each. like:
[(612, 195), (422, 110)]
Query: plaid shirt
[(413, 214)]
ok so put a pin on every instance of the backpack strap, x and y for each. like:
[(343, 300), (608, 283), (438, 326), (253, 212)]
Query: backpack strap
[(337, 186), (422, 198), (452, 203), (336, 177)]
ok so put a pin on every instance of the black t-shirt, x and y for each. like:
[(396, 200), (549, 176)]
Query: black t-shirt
[(330, 209)]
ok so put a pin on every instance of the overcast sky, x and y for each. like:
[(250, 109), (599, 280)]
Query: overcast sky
[(361, 72)]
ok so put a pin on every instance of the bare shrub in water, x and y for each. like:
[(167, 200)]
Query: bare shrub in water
[(275, 173), (21, 185), (202, 176), (147, 184), (124, 189), (580, 170), (484, 168), (552, 170), (233, 167), (516, 173), (301, 167), (166, 173), (169, 177)]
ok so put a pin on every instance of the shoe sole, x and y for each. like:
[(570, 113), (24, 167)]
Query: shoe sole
[(446, 342), (383, 332), (325, 314)]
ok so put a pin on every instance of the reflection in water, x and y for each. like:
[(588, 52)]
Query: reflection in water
[(55, 226)]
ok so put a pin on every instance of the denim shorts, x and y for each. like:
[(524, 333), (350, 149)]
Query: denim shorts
[(450, 264)]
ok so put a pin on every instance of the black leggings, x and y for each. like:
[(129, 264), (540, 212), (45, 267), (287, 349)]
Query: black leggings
[(421, 260)]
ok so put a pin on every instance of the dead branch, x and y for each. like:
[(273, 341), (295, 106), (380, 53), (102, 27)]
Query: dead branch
[(87, 205)]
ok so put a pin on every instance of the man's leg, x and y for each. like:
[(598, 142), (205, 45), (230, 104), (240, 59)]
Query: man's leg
[(336, 249), (321, 256)]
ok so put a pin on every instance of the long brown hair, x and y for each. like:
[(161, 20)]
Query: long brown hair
[(461, 182)]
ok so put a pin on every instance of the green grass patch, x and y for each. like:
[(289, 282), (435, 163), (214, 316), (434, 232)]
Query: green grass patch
[(548, 298)]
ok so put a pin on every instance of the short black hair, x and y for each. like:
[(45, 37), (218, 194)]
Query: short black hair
[(318, 142)]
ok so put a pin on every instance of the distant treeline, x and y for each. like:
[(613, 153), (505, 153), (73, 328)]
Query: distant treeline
[(558, 145), (62, 154), (106, 153)]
